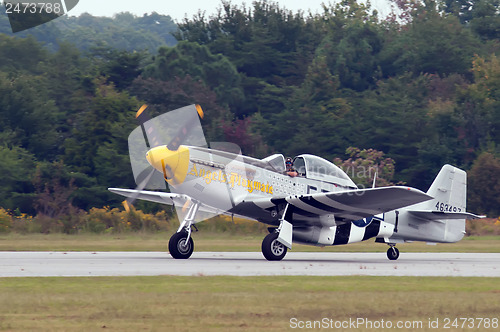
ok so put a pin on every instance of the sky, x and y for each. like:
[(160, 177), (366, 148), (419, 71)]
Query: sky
[(180, 8)]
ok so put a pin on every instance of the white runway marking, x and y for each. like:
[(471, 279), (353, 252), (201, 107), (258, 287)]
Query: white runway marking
[(41, 264)]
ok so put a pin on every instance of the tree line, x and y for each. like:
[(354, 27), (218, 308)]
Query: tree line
[(417, 89)]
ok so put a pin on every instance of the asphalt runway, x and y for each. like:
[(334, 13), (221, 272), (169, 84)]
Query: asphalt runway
[(41, 264)]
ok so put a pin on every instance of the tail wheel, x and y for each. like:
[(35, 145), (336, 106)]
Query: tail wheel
[(180, 248), (393, 253), (272, 249)]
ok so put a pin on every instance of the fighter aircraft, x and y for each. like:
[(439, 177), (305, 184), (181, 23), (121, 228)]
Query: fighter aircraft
[(314, 203)]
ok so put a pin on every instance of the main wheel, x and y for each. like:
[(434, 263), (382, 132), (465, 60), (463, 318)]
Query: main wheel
[(180, 248), (272, 249), (393, 253)]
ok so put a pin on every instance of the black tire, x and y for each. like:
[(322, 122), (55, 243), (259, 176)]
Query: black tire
[(272, 249), (393, 253), (178, 248)]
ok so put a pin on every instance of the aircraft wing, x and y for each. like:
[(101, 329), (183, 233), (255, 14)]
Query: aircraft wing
[(349, 205), (152, 196), (178, 200)]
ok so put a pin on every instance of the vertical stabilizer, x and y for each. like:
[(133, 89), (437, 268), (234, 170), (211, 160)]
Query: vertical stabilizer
[(449, 190), (441, 219), (444, 216)]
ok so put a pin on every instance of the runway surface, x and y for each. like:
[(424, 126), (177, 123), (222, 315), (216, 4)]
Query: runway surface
[(37, 264)]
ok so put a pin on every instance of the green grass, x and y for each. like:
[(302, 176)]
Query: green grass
[(235, 303), (209, 241)]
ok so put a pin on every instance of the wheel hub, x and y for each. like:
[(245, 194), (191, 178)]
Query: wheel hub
[(277, 247), (183, 246)]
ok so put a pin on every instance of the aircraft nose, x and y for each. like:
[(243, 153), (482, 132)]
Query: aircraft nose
[(173, 164)]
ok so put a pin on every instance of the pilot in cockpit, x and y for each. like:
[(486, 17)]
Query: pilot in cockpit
[(290, 171)]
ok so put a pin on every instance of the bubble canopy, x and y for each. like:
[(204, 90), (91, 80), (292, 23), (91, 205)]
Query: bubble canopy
[(317, 168)]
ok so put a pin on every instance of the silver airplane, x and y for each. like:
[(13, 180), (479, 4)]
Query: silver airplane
[(315, 203)]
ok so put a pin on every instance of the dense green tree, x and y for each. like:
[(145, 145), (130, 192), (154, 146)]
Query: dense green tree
[(485, 19), (480, 15), (392, 119), (188, 58), (120, 67), (352, 44), (478, 106), (270, 47), (100, 130), (28, 115), (16, 165), (430, 43), (484, 185), (67, 72), (21, 55), (315, 114), (443, 142)]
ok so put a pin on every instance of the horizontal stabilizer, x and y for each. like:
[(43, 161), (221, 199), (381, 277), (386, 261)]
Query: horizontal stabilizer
[(438, 215)]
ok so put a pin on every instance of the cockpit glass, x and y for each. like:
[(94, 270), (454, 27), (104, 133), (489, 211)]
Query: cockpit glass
[(314, 167), (300, 166), (277, 162)]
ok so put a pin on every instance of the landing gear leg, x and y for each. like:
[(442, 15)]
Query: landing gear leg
[(392, 252), (181, 245), (276, 244)]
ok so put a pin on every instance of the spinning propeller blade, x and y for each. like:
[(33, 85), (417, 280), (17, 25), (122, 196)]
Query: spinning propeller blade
[(184, 131), (147, 173), (160, 156)]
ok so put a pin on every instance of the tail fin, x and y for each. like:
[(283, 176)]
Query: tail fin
[(449, 190), (448, 208)]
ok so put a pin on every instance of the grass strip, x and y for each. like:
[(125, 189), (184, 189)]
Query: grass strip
[(238, 303), (207, 241)]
